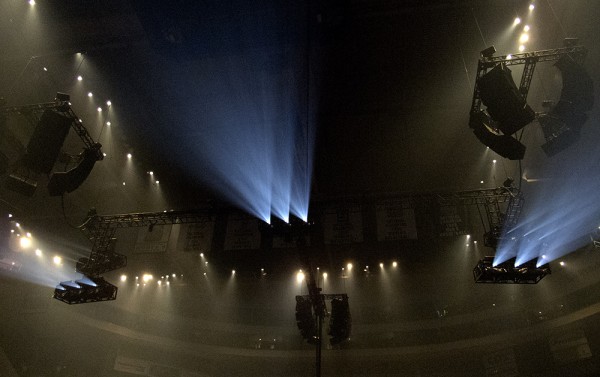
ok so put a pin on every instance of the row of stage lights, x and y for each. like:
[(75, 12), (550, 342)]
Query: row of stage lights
[(26, 241), (524, 37)]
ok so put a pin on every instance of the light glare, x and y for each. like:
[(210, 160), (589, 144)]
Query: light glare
[(300, 276), (517, 21), (57, 260)]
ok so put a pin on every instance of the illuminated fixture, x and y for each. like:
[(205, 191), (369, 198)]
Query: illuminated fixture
[(31, 2), (324, 275), (507, 273), (99, 109), (108, 103), (517, 21), (526, 28), (123, 277), (524, 38), (522, 48), (233, 272), (38, 252), (531, 7), (129, 155), (349, 266), (300, 276), (108, 123), (57, 260), (394, 264), (85, 290), (79, 78), (25, 242), (90, 94)]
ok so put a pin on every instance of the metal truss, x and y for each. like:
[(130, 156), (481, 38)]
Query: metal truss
[(34, 112), (529, 59), (476, 197)]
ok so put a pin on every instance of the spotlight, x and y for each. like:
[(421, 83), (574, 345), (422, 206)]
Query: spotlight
[(108, 103), (521, 48), (531, 7), (394, 264), (99, 109), (517, 21), (25, 242), (233, 272), (324, 275), (31, 2), (90, 94), (488, 52), (108, 123), (57, 260), (129, 155), (123, 277), (380, 265), (38, 252), (79, 78), (85, 290), (300, 276), (524, 38), (526, 28), (349, 266)]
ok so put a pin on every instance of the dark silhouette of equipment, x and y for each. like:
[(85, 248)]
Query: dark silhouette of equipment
[(86, 290), (69, 181), (340, 323), (305, 320)]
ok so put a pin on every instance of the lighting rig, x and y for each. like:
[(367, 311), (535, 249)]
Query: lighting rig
[(507, 110), (508, 272), (51, 122)]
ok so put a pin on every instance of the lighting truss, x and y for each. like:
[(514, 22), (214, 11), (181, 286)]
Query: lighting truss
[(33, 113), (506, 147), (507, 273), (499, 223), (86, 290)]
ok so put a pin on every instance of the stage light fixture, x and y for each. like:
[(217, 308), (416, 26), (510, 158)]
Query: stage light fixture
[(85, 290), (508, 273), (488, 52)]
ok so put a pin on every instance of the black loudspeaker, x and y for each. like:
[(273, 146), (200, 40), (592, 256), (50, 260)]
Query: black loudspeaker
[(22, 185), (578, 87), (504, 102), (46, 141), (505, 145), (69, 181)]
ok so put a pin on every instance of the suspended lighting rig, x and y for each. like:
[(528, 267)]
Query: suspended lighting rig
[(509, 273), (507, 110)]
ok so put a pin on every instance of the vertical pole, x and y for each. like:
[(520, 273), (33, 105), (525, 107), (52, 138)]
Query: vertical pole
[(319, 343)]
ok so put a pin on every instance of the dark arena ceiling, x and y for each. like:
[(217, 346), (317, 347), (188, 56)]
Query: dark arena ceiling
[(220, 121)]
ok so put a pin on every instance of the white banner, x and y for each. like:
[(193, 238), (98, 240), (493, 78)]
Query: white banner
[(195, 238), (154, 241), (395, 221), (242, 233), (343, 225)]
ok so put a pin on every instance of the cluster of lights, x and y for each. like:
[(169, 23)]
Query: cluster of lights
[(148, 278), (524, 37)]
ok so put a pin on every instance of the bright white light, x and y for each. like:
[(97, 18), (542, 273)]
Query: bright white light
[(147, 277), (233, 272), (526, 28), (394, 264), (493, 161), (468, 236), (517, 21), (157, 182), (475, 242), (481, 182), (151, 172), (9, 215), (123, 183), (524, 38), (531, 7), (79, 78), (99, 109), (12, 230), (562, 263), (31, 2), (28, 234), (123, 277), (169, 283), (174, 275), (381, 265), (159, 282), (300, 276), (129, 155), (25, 242), (324, 275), (108, 124), (522, 48), (38, 252), (45, 69), (349, 266), (544, 256), (18, 225), (90, 94), (57, 260), (108, 103), (202, 255), (104, 154)]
